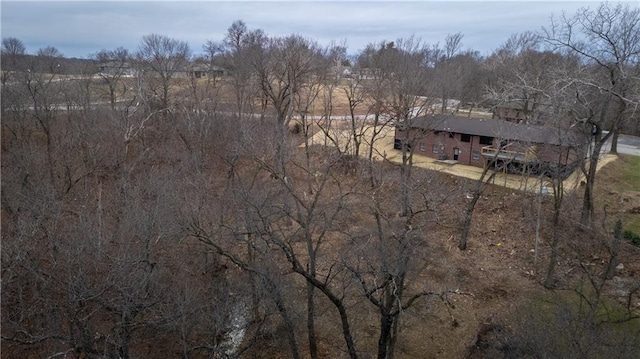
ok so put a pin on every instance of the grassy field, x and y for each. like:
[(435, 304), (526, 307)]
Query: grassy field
[(630, 176), (630, 183), (619, 190)]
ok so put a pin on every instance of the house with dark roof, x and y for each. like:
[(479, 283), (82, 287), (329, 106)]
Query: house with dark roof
[(112, 68), (478, 142), (514, 112), (200, 70), (531, 112)]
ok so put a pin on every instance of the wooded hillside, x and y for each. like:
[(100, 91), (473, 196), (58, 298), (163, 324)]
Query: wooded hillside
[(152, 212)]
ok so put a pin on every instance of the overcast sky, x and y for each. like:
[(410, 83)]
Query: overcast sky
[(79, 28)]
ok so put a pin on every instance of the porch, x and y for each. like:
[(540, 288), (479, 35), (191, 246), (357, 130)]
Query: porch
[(507, 155)]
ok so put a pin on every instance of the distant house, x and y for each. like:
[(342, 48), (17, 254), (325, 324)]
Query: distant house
[(116, 68), (197, 70), (366, 73), (514, 112), (531, 112), (476, 142), (200, 70)]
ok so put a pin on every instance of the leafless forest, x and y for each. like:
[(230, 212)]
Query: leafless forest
[(157, 204)]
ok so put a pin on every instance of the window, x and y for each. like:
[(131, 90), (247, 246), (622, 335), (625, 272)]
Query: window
[(398, 145), (484, 140), (452, 135), (465, 138), (475, 154), (434, 148), (422, 147)]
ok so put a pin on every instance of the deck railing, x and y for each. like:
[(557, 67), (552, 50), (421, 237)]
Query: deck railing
[(503, 153)]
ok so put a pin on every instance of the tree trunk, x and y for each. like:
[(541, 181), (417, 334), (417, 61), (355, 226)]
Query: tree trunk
[(112, 97), (165, 96), (288, 323), (405, 176), (311, 309), (125, 335), (386, 326), (376, 120), (311, 330), (50, 160), (255, 300), (614, 142), (337, 302), (558, 196), (614, 249), (445, 101), (548, 283), (356, 137), (468, 215), (394, 338), (346, 330), (587, 201), (404, 179)]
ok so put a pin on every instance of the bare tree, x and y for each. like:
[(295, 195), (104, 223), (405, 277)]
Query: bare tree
[(12, 51), (492, 166), (355, 94), (13, 94), (284, 67), (383, 268), (39, 78), (164, 57), (12, 46), (446, 71), (565, 324), (62, 254), (263, 273), (408, 94), (372, 70), (471, 81), (558, 196), (396, 88), (241, 47), (521, 76), (607, 41), (115, 65)]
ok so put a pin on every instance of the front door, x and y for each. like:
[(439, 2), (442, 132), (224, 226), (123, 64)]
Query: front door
[(456, 153)]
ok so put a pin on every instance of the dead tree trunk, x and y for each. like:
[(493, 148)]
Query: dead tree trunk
[(558, 195), (481, 184), (587, 201)]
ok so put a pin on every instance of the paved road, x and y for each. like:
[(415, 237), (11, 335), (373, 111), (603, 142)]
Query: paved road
[(629, 145)]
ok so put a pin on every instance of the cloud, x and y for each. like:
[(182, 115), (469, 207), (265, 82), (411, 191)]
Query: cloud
[(78, 28)]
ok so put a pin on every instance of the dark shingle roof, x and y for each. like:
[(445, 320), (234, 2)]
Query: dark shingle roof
[(498, 129)]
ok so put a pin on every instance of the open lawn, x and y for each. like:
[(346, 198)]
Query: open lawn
[(621, 192)]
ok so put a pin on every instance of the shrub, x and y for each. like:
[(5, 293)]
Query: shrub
[(296, 129), (632, 236)]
